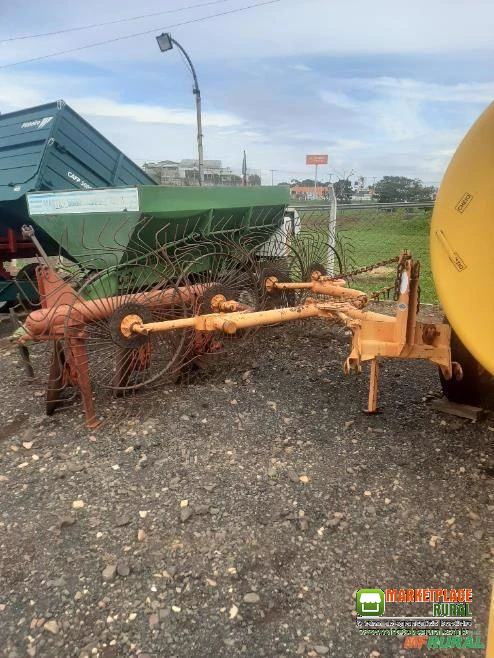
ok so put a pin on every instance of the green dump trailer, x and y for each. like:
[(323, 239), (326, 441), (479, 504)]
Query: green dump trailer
[(49, 147), (92, 205), (118, 228)]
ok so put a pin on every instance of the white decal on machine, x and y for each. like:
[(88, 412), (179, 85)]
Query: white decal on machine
[(80, 201), (78, 179), (37, 123)]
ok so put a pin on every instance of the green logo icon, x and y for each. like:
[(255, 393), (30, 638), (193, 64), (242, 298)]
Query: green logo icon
[(370, 602)]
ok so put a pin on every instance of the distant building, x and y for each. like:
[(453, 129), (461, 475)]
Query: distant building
[(365, 194), (165, 172), (308, 193), (186, 172)]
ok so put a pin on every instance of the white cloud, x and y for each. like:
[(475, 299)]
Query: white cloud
[(142, 113), (339, 99), (394, 109), (383, 132), (416, 90), (28, 90)]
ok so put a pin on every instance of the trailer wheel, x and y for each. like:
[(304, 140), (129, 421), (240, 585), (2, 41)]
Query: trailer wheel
[(477, 385)]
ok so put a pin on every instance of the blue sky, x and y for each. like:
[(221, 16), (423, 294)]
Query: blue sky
[(382, 88)]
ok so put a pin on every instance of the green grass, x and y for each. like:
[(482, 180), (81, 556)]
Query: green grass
[(374, 235)]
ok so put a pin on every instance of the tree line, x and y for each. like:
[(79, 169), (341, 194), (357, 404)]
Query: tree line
[(390, 189)]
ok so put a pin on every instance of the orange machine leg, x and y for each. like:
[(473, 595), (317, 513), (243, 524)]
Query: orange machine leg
[(56, 384), (78, 354), (373, 385)]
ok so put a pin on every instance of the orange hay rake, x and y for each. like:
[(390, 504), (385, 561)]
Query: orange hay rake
[(202, 315)]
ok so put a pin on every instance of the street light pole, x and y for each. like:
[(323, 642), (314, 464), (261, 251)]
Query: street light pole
[(166, 42)]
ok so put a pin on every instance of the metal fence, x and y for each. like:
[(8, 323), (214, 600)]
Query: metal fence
[(373, 236)]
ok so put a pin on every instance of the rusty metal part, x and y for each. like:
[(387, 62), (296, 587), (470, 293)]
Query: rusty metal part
[(372, 407), (429, 333), (317, 276), (23, 350), (376, 295), (77, 359), (374, 335), (320, 286), (220, 304), (69, 367), (122, 321), (415, 275), (230, 323), (68, 320), (276, 298), (128, 363), (315, 271), (127, 324), (367, 268), (222, 299), (55, 384), (46, 323), (60, 378), (29, 233), (134, 325), (404, 337), (457, 371)]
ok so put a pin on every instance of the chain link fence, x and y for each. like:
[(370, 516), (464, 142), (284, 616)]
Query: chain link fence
[(365, 237)]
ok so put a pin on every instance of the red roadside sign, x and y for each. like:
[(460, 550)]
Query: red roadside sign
[(316, 159)]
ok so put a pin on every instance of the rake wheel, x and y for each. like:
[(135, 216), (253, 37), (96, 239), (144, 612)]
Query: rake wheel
[(276, 298), (232, 273), (315, 267), (123, 363), (129, 310)]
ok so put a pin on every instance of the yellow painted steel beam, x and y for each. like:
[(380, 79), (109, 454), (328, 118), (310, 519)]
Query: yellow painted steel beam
[(317, 286), (462, 240), (229, 323)]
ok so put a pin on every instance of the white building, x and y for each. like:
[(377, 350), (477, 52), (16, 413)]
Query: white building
[(186, 172)]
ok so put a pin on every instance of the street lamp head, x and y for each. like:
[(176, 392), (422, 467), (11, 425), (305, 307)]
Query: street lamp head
[(165, 41)]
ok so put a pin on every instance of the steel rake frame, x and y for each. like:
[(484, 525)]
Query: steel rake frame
[(178, 284)]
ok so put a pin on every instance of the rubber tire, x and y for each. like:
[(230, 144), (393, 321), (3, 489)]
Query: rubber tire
[(477, 385)]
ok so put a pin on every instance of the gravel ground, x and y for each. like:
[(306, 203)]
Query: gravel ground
[(238, 515)]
